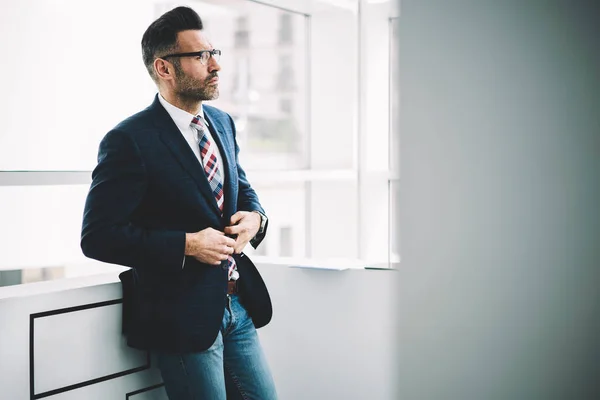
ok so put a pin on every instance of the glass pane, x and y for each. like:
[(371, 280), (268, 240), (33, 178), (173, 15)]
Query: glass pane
[(76, 79), (334, 87), (40, 233), (41, 225), (263, 79), (333, 219), (285, 205), (72, 79), (395, 95)]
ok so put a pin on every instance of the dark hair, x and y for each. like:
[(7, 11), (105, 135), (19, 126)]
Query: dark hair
[(161, 36)]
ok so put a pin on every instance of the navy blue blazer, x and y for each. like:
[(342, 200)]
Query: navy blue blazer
[(147, 191)]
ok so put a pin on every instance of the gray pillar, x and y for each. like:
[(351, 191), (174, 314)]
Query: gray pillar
[(500, 224)]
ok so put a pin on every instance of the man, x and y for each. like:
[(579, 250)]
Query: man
[(170, 200)]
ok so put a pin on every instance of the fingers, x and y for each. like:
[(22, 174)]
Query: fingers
[(241, 239), (234, 230), (227, 241), (210, 258), (223, 248), (217, 257), (227, 250), (237, 217), (224, 251), (215, 247), (240, 244)]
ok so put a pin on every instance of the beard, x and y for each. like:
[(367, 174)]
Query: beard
[(189, 88)]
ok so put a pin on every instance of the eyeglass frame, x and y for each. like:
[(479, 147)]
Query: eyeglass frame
[(195, 54)]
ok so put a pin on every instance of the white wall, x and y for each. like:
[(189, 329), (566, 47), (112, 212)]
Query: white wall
[(332, 334), (70, 346), (498, 295), (331, 337)]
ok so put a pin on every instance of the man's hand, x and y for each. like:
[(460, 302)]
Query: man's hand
[(245, 225), (209, 246)]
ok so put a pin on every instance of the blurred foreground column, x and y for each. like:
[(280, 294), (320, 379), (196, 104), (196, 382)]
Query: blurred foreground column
[(500, 191)]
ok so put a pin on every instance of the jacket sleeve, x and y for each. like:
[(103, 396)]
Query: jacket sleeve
[(247, 197), (119, 182)]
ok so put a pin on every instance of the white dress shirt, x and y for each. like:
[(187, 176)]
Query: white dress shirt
[(183, 120)]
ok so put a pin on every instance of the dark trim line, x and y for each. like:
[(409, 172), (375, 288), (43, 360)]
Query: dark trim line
[(32, 317), (90, 382), (76, 308), (149, 388), (31, 369)]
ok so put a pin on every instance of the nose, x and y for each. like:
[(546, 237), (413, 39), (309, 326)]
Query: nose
[(213, 65)]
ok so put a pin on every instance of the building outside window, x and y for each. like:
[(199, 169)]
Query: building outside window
[(286, 31), (242, 35)]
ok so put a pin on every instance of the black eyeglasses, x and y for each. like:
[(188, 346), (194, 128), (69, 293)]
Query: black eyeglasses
[(203, 54)]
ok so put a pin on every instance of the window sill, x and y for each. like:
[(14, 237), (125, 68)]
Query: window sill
[(93, 273), (332, 264)]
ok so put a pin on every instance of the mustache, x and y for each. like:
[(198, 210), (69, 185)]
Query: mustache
[(212, 76)]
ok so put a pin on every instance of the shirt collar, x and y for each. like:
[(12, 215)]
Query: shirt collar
[(181, 118)]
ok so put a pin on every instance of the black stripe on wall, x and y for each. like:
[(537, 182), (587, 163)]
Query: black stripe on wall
[(149, 388), (33, 317)]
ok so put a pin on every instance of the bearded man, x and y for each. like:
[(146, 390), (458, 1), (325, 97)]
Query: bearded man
[(170, 200)]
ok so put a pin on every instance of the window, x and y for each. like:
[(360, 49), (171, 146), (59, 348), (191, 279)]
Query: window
[(29, 275), (10, 277), (377, 182), (303, 121), (40, 228), (270, 140), (394, 180)]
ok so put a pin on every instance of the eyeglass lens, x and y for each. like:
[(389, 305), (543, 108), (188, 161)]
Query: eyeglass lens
[(216, 54)]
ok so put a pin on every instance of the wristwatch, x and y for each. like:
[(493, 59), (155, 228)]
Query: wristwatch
[(263, 223)]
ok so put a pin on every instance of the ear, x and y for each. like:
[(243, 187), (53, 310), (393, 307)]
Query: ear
[(163, 69)]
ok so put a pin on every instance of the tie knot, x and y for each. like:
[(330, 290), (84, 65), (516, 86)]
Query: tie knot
[(198, 123)]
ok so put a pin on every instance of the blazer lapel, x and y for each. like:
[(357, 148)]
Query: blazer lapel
[(172, 138)]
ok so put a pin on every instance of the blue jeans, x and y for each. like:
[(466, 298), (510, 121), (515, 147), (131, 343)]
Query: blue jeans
[(234, 367)]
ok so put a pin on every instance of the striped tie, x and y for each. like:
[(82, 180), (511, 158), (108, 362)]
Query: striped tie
[(213, 174)]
